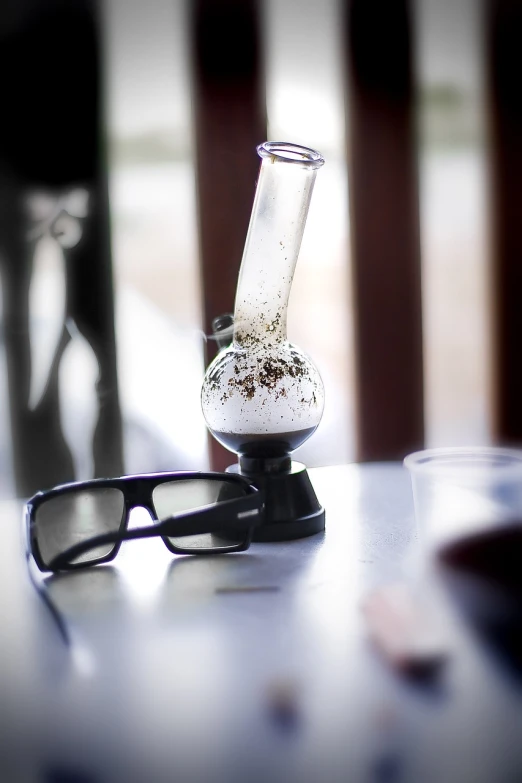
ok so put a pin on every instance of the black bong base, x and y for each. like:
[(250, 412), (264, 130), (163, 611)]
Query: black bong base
[(291, 506)]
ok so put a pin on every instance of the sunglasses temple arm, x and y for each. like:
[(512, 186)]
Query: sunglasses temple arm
[(248, 512), (238, 514), (43, 593)]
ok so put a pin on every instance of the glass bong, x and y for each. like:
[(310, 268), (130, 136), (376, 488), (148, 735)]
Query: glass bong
[(262, 397)]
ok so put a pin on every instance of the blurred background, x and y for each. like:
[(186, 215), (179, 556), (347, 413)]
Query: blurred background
[(155, 124)]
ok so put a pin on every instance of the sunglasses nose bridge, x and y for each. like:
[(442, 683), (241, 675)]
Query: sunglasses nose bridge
[(140, 496)]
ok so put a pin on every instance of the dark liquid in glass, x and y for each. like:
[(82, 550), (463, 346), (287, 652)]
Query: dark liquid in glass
[(263, 446), (494, 556)]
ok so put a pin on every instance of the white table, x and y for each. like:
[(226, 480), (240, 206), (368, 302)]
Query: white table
[(249, 667)]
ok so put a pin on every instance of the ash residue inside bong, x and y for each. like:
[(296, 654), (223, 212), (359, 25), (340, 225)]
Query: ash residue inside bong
[(251, 340), (262, 362), (214, 377), (262, 327), (266, 372)]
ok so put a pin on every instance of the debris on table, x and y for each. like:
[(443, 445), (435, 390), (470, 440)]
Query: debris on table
[(405, 631), (248, 589), (283, 705)]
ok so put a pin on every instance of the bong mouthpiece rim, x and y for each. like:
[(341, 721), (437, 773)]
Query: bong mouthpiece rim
[(286, 152)]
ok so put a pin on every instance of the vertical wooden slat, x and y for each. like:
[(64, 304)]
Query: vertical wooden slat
[(230, 120), (384, 214), (503, 26)]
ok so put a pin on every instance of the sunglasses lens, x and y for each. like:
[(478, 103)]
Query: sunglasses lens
[(71, 518), (175, 497)]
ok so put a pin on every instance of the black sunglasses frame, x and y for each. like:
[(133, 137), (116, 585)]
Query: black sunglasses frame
[(242, 513)]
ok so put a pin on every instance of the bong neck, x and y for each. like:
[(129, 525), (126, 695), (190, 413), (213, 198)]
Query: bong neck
[(260, 314), (277, 223)]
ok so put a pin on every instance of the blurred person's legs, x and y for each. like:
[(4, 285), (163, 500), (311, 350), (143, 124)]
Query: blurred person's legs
[(51, 143)]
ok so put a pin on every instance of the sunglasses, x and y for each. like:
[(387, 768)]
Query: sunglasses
[(84, 523)]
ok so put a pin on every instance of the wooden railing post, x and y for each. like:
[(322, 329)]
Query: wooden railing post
[(230, 120), (384, 211), (503, 27)]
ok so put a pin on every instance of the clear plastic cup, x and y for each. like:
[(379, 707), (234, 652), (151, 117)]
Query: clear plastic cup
[(461, 492)]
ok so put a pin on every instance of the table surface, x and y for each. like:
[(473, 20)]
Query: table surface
[(248, 667)]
